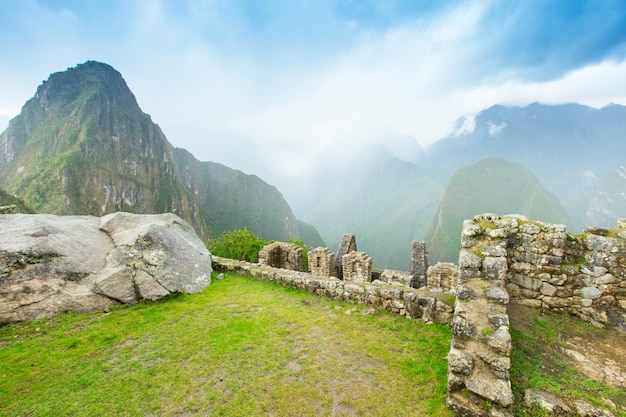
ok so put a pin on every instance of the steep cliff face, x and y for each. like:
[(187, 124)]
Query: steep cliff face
[(82, 145)]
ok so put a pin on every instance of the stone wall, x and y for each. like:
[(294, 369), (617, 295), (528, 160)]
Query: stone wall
[(584, 274), (479, 358), (347, 245), (282, 255), (443, 276), (419, 263), (409, 302), (390, 276), (534, 264), (357, 267), (322, 262)]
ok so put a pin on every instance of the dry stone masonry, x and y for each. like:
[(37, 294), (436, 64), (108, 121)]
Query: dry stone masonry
[(322, 262), (479, 357), (413, 303), (390, 276), (282, 255), (443, 276), (419, 264), (357, 267), (347, 245)]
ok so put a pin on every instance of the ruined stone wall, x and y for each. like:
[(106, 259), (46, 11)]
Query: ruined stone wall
[(584, 275), (282, 255), (413, 303), (443, 276), (321, 262), (390, 276), (357, 267), (479, 357)]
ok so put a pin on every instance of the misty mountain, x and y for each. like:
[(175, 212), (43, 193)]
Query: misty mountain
[(492, 185), (4, 121), (568, 147), (366, 189), (608, 200), (82, 145)]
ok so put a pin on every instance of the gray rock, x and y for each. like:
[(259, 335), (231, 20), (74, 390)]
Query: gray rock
[(52, 264), (496, 390), (460, 362), (469, 260), (590, 292), (584, 409), (221, 276), (546, 401)]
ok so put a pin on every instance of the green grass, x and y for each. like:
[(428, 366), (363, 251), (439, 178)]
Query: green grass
[(537, 362), (239, 348)]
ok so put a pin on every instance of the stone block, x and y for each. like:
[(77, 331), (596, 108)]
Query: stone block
[(500, 341), (532, 303), (468, 260), (497, 294), (555, 302), (495, 390), (459, 362), (494, 268), (547, 289), (526, 281)]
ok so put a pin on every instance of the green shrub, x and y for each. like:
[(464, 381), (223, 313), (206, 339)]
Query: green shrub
[(242, 245)]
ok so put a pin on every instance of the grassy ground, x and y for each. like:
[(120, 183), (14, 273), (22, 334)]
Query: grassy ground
[(539, 360), (240, 348)]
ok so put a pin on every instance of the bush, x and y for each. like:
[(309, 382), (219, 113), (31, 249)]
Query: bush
[(242, 245)]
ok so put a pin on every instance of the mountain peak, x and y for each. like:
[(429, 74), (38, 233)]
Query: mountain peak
[(84, 80)]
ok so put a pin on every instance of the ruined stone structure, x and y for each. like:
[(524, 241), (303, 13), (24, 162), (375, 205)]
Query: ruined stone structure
[(390, 276), (479, 358), (422, 304), (419, 264), (443, 276), (511, 258), (357, 267), (322, 262), (282, 255), (347, 245)]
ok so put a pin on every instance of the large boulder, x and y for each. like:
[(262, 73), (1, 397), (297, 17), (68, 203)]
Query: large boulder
[(51, 264)]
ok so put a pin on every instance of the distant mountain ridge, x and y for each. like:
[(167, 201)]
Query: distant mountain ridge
[(82, 145), (492, 185), (571, 151), (568, 147)]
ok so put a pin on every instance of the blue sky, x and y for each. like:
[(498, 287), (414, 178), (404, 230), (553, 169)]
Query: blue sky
[(293, 76)]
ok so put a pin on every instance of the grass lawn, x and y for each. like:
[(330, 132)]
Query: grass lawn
[(239, 348)]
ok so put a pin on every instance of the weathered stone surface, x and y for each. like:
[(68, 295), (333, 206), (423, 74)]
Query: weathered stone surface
[(496, 390), (547, 289), (527, 282), (347, 245), (500, 340), (584, 409), (494, 268), (497, 294), (546, 401), (460, 362), (53, 264), (469, 260), (590, 292)]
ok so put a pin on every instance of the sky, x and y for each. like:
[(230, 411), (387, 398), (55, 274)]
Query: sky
[(284, 79)]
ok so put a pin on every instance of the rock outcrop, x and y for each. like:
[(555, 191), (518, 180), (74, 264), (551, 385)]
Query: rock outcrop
[(52, 264)]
